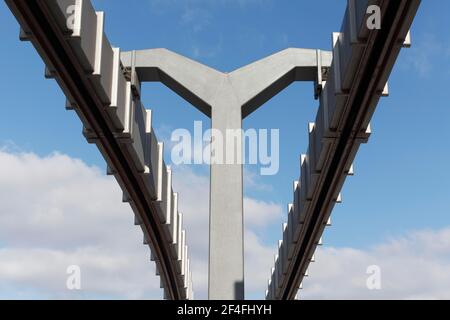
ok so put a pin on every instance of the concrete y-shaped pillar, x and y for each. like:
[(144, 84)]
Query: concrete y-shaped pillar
[(227, 98)]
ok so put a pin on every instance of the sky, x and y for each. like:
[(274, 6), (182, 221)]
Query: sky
[(58, 207)]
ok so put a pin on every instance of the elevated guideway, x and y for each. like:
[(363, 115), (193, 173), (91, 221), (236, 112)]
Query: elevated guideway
[(349, 92), (69, 36)]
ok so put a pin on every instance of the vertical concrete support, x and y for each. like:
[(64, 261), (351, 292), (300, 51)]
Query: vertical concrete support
[(227, 98), (226, 247)]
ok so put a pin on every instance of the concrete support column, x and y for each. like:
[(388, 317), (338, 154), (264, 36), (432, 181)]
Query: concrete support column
[(226, 244), (227, 98)]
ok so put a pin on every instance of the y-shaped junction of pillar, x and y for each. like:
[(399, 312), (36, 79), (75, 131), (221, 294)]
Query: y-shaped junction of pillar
[(227, 98)]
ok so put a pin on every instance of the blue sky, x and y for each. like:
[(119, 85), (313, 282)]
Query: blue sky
[(401, 183)]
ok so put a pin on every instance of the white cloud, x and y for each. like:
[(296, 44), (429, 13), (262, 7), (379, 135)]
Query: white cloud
[(196, 18), (105, 273), (194, 204), (56, 211), (207, 51), (426, 54), (414, 266), (252, 181), (259, 214), (258, 263)]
